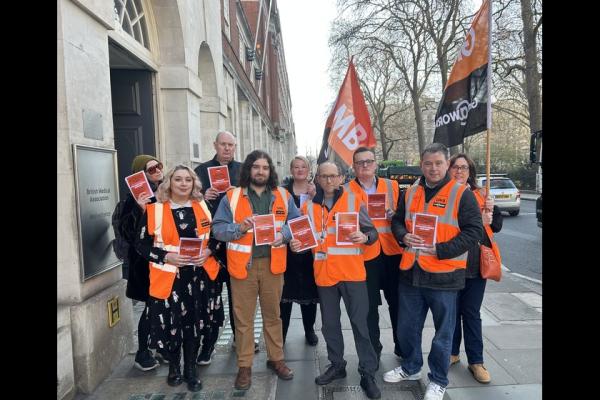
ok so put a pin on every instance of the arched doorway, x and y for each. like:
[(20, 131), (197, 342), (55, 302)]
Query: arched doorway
[(209, 103)]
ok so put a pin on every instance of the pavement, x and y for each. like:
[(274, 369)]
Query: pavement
[(512, 329)]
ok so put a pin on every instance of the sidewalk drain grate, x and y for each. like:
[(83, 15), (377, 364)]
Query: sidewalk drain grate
[(408, 391)]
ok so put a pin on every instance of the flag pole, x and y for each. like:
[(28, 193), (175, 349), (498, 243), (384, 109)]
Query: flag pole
[(489, 103)]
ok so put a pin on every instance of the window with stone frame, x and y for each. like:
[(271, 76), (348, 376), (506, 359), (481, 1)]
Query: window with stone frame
[(132, 19)]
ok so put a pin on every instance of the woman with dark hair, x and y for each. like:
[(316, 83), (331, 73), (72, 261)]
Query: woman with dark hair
[(138, 282), (469, 299), (185, 292), (299, 280)]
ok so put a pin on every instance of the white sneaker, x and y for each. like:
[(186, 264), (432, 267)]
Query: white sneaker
[(434, 392), (398, 374)]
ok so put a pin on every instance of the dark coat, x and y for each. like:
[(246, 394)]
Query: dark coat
[(201, 170), (471, 231), (138, 280)]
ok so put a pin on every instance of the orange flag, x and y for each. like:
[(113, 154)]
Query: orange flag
[(348, 126)]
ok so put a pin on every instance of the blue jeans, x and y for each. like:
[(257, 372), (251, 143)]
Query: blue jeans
[(468, 305), (413, 304)]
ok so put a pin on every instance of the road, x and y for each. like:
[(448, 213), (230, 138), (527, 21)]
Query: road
[(520, 242)]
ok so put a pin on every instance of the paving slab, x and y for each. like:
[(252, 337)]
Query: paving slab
[(506, 307), (349, 387), (506, 337), (509, 392), (523, 365), (156, 388), (530, 298)]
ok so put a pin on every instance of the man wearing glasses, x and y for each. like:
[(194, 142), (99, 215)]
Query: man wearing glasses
[(340, 272), (382, 258)]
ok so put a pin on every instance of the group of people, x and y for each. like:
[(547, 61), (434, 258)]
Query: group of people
[(184, 307)]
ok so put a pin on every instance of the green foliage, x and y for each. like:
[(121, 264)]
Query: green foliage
[(523, 176), (387, 163)]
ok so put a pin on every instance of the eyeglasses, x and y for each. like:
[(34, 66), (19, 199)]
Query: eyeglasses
[(152, 170), (460, 167), (328, 177), (364, 163)]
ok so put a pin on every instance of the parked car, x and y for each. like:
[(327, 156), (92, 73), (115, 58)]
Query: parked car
[(538, 210), (506, 195)]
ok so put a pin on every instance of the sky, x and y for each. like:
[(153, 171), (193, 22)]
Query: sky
[(305, 30), (305, 26)]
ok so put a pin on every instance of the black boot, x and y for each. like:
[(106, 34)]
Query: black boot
[(174, 377), (190, 352), (367, 382)]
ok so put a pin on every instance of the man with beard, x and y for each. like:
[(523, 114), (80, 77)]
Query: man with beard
[(225, 144), (256, 270)]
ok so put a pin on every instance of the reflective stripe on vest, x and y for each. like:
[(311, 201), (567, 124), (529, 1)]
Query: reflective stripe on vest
[(344, 251), (386, 242), (239, 251), (487, 228), (242, 248), (335, 263), (427, 262)]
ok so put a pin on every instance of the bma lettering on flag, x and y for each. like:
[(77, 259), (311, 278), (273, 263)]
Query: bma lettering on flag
[(349, 125)]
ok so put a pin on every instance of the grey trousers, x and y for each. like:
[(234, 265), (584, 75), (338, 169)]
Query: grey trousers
[(356, 301)]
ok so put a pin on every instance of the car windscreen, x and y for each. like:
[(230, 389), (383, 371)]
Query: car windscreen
[(500, 184)]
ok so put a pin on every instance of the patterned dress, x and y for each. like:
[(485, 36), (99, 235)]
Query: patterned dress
[(195, 307)]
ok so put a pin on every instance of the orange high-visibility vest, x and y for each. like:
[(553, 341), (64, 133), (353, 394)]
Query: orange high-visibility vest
[(445, 205), (239, 251), (162, 226), (386, 240), (332, 262), (488, 229)]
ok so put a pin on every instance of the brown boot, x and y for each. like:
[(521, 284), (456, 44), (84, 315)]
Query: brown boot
[(244, 378), (282, 370), (480, 373)]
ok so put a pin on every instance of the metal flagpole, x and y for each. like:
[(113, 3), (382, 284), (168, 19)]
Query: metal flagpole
[(262, 65), (257, 25), (489, 103)]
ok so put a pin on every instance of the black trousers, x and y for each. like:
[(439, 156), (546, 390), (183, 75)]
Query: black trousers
[(143, 330), (355, 298), (309, 314), (210, 340), (382, 274)]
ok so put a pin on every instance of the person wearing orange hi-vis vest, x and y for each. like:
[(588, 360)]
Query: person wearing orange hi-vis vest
[(256, 267), (439, 221), (340, 273), (185, 291), (382, 258), (468, 319)]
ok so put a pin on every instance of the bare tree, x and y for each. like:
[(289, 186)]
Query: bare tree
[(392, 27), (517, 59)]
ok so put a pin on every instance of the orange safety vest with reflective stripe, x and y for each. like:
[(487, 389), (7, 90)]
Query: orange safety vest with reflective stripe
[(488, 229), (334, 263), (445, 205), (386, 239), (162, 226), (239, 251)]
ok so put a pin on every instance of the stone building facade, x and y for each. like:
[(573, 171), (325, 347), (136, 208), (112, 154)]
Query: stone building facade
[(146, 76)]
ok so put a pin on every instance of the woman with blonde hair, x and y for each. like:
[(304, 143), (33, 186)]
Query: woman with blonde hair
[(299, 280), (185, 294)]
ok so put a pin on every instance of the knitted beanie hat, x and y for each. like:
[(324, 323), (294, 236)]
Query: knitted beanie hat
[(139, 162)]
